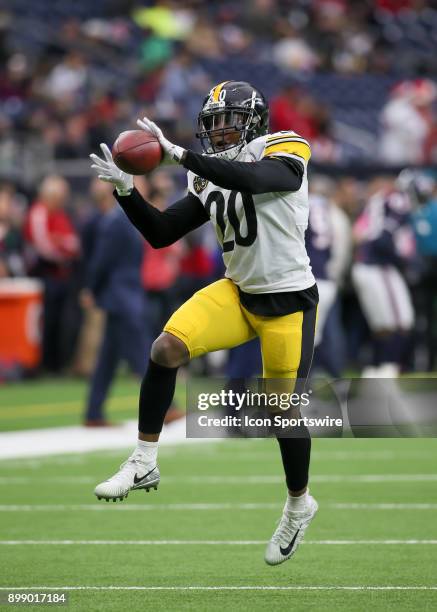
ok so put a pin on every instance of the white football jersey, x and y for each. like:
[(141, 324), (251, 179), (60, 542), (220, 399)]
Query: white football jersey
[(262, 235)]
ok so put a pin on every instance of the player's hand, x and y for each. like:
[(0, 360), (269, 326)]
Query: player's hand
[(173, 153), (107, 171)]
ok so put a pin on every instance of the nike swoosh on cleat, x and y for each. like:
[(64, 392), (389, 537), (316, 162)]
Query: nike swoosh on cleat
[(137, 480), (287, 550)]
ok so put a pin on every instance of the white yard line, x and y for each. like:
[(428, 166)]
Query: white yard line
[(206, 542), (35, 457), (126, 507), (27, 480), (302, 587), (322, 478), (386, 506), (102, 507), (232, 480)]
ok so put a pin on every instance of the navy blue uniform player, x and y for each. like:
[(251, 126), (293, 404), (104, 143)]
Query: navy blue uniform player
[(385, 242)]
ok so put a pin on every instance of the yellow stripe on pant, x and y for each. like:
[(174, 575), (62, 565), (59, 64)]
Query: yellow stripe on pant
[(214, 319)]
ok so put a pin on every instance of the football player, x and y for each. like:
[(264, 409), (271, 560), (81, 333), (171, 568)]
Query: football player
[(384, 244), (253, 187)]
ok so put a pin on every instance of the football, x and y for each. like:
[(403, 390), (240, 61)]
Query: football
[(137, 152)]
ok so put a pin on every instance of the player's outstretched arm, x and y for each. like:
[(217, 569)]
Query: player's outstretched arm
[(162, 228), (263, 176), (159, 228)]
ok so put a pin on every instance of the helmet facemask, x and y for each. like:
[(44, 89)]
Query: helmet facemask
[(224, 129)]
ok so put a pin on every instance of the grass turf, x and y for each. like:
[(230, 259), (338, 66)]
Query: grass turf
[(60, 402), (53, 500)]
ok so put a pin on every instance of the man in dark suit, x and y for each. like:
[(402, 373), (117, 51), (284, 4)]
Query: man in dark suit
[(113, 283)]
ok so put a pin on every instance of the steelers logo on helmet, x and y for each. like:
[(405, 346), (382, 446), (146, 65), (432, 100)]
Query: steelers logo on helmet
[(233, 114)]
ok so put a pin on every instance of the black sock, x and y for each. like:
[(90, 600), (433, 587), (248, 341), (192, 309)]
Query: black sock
[(156, 396), (295, 454)]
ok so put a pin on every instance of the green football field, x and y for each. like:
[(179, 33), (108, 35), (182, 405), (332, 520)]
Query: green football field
[(197, 543), (58, 402)]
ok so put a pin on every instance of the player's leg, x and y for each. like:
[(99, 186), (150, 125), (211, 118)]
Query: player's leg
[(287, 345), (387, 307), (104, 371), (403, 313), (211, 320)]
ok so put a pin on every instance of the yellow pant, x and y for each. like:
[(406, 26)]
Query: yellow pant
[(214, 319)]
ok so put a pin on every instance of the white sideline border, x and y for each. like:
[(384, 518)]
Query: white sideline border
[(227, 588), (79, 439), (76, 440), (208, 542), (99, 507)]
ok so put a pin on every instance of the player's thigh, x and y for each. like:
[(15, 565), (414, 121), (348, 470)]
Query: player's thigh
[(287, 344), (211, 320), (375, 297)]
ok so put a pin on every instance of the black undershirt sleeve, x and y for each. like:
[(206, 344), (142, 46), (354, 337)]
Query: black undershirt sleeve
[(162, 228), (267, 175)]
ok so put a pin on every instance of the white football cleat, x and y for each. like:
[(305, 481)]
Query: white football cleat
[(289, 533), (133, 474)]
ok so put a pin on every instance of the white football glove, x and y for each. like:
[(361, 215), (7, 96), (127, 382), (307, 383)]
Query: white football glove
[(173, 153), (107, 171)]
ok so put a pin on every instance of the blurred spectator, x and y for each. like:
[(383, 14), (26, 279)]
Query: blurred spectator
[(422, 190), (93, 317), (293, 109), (155, 52), (166, 19), (197, 265), (332, 350), (184, 84), (15, 84), (161, 268), (55, 247), (159, 273), (293, 53), (68, 78), (329, 248), (349, 196), (318, 240), (204, 41), (407, 121), (260, 17), (341, 251), (113, 284), (74, 143)]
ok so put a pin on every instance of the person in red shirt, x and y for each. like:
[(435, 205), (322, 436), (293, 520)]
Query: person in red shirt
[(294, 109), (54, 248)]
